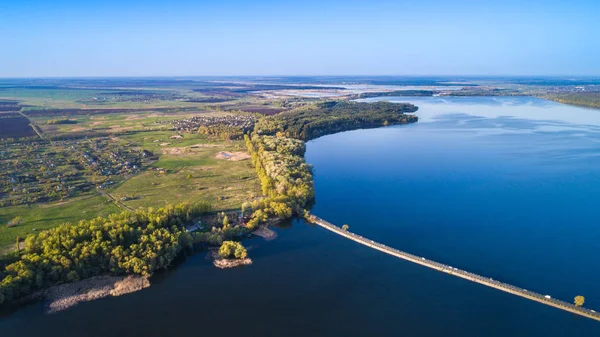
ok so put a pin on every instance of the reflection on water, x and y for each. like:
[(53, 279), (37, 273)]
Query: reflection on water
[(526, 108)]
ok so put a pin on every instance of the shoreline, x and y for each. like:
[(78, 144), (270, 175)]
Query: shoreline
[(222, 263), (65, 296)]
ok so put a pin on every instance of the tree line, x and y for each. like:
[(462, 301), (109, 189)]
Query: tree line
[(285, 177), (277, 148), (587, 99), (319, 119)]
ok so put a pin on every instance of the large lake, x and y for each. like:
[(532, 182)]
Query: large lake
[(504, 187)]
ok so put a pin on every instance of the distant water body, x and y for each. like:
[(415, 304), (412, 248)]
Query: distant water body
[(505, 187)]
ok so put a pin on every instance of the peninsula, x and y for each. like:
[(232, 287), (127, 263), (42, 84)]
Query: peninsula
[(141, 241)]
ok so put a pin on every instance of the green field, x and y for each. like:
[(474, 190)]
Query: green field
[(82, 98), (191, 175), (43, 216)]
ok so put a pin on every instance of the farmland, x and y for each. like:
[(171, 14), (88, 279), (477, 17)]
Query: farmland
[(14, 125)]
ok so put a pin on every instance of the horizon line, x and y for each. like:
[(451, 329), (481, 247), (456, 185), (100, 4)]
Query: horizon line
[(312, 75)]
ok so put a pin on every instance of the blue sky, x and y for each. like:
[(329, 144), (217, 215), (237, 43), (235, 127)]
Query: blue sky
[(262, 37)]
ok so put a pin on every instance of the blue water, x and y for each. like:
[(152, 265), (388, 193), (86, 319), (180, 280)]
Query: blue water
[(504, 187)]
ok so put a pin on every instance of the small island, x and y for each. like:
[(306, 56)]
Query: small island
[(231, 254)]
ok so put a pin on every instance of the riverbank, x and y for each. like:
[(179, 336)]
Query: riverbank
[(62, 297), (581, 99), (265, 232)]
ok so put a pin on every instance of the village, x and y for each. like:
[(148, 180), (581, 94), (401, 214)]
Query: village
[(243, 122), (40, 171)]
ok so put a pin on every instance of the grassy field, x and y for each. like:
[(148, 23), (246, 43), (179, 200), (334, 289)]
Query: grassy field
[(61, 98), (43, 216), (193, 173)]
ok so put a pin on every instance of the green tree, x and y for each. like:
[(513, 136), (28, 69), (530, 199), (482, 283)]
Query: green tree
[(122, 243), (579, 300), (72, 276), (240, 252), (345, 227), (225, 221), (245, 207), (232, 249)]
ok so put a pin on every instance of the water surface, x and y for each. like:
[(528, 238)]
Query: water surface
[(503, 187)]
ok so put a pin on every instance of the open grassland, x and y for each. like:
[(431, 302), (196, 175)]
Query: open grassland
[(43, 216), (47, 96), (35, 98), (188, 170)]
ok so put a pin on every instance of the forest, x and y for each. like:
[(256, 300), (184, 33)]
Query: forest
[(286, 180), (323, 118), (586, 99), (396, 93), (125, 243), (277, 148)]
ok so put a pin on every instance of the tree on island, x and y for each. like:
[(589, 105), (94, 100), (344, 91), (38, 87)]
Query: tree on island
[(345, 227), (579, 300), (232, 249)]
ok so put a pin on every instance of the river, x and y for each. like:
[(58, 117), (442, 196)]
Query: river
[(504, 187)]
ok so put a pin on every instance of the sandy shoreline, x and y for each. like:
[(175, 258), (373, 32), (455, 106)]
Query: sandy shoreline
[(65, 296), (265, 232), (222, 263), (230, 263)]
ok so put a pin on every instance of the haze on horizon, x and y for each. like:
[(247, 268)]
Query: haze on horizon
[(66, 38)]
